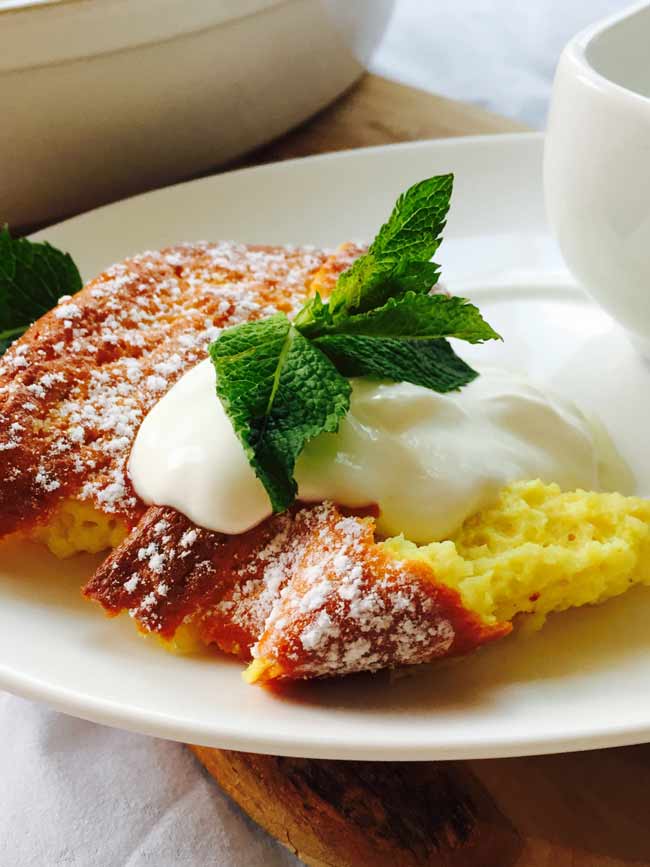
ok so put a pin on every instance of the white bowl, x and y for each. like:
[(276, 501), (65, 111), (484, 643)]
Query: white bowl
[(104, 98), (597, 165)]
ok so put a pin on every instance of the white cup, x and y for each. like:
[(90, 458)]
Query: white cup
[(597, 165)]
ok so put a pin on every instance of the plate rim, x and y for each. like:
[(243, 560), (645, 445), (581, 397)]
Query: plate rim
[(223, 733), (282, 165), (153, 724)]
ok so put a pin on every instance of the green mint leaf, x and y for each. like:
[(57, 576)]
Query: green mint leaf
[(283, 383), (430, 363), (398, 259), (280, 391), (412, 276), (413, 316), (314, 317), (33, 276)]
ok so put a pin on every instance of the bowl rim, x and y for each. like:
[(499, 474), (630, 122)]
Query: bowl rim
[(17, 7), (8, 7), (39, 33)]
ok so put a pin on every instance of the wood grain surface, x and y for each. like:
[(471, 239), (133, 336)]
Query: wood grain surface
[(382, 814), (587, 809), (377, 111)]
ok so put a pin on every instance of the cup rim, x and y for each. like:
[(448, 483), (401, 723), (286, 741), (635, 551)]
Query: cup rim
[(577, 51)]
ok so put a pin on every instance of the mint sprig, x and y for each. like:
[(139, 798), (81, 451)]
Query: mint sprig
[(405, 341), (399, 259), (432, 364), (284, 383), (33, 276), (280, 391), (413, 316)]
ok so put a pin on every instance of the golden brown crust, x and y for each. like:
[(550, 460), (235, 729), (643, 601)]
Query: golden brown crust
[(309, 592), (75, 388), (168, 570), (350, 606)]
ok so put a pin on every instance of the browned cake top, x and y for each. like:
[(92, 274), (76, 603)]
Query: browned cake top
[(75, 388), (309, 592)]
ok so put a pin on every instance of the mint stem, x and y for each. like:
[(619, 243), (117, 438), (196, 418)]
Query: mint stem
[(11, 333)]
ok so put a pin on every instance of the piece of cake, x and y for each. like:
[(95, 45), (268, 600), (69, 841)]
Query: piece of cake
[(309, 593), (312, 593)]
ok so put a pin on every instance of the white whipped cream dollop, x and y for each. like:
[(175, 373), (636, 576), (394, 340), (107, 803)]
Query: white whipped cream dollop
[(428, 460)]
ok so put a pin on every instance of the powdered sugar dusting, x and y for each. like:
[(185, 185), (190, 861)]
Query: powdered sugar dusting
[(322, 599), (347, 608), (308, 590), (82, 380), (315, 594)]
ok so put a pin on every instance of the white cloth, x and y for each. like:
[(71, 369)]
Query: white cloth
[(497, 53), (77, 794)]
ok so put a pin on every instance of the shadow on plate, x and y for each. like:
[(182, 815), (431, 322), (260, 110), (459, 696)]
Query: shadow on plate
[(31, 573), (571, 644)]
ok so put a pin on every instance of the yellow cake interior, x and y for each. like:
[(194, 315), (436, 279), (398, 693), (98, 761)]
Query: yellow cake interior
[(77, 527), (535, 551), (538, 550)]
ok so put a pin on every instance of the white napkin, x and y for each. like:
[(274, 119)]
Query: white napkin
[(497, 53), (77, 794)]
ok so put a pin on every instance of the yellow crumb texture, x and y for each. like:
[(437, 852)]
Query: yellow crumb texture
[(535, 551), (538, 550), (261, 669), (77, 527), (185, 640)]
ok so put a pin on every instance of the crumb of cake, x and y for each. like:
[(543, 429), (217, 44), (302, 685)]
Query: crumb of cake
[(76, 526)]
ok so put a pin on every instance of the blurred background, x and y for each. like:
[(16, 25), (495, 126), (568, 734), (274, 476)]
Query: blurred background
[(500, 54), (105, 98)]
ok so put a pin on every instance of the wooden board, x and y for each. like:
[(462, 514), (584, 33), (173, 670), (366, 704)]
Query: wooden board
[(368, 814), (377, 111), (583, 810)]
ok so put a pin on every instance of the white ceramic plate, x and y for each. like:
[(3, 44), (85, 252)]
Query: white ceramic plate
[(578, 683)]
